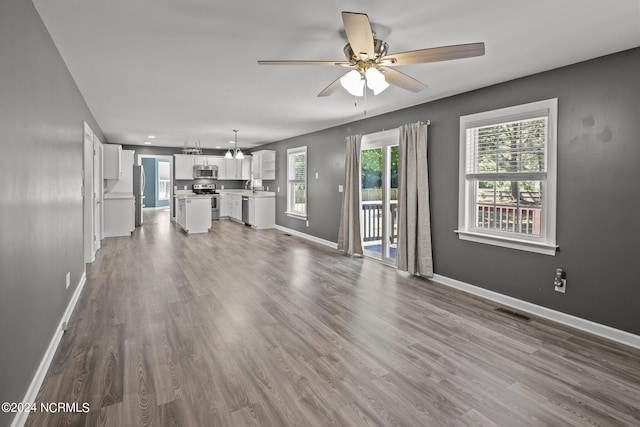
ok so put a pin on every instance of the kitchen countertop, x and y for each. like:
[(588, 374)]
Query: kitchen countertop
[(188, 194), (117, 195), (250, 193)]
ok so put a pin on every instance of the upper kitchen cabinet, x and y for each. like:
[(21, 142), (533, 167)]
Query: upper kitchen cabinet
[(237, 169), (112, 161), (231, 169), (264, 164), (219, 162), (246, 168), (183, 165)]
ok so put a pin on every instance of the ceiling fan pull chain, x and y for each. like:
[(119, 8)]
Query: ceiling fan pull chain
[(365, 100)]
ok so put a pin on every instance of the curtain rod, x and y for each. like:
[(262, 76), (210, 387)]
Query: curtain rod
[(425, 122)]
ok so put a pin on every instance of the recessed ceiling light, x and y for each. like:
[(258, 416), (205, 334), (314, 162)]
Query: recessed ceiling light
[(147, 143), (218, 146), (231, 142), (151, 136)]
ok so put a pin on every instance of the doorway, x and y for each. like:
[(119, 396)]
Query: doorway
[(379, 195), (158, 182)]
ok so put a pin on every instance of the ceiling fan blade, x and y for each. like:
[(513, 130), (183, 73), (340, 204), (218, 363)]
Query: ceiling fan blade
[(335, 85), (435, 54), (294, 62), (397, 78), (359, 33)]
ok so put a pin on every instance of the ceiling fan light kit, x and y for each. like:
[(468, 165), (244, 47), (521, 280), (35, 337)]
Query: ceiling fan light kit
[(353, 83), (368, 57)]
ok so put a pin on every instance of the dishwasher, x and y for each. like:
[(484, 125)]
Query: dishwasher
[(245, 209)]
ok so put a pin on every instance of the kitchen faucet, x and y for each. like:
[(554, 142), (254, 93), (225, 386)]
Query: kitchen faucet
[(247, 185)]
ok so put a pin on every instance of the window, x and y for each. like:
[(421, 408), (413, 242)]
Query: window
[(297, 182), (507, 189), (164, 183)]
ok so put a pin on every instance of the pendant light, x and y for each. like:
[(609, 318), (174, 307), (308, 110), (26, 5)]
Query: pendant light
[(235, 153)]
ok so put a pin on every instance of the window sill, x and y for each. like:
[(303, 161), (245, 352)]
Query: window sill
[(296, 215), (505, 242)]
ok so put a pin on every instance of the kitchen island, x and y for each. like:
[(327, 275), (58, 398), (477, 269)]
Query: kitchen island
[(193, 212)]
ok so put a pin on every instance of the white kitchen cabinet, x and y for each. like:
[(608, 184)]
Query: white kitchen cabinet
[(194, 214), (224, 205), (111, 161), (235, 207), (218, 161), (183, 166), (231, 169), (252, 210), (246, 168), (119, 215), (262, 212), (264, 164), (180, 212), (256, 167)]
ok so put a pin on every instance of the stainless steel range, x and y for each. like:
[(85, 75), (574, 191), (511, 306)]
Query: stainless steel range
[(210, 190)]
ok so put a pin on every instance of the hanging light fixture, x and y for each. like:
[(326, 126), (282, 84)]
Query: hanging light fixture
[(235, 153)]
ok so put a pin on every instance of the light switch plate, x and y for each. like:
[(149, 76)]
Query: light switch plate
[(340, 188)]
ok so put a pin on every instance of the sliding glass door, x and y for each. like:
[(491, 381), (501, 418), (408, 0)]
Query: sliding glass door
[(379, 195)]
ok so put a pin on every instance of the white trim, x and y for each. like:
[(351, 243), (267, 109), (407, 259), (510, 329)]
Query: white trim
[(598, 329), (315, 239), (32, 392), (296, 215), (546, 243), (291, 167), (505, 242)]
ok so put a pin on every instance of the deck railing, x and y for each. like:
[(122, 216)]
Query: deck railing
[(372, 221), (525, 220), (522, 220)]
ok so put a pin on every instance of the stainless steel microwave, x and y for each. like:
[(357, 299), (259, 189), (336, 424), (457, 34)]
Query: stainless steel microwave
[(205, 171)]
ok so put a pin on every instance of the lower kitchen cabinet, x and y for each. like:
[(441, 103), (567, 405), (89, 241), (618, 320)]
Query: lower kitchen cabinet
[(224, 206), (119, 215), (235, 207), (262, 212)]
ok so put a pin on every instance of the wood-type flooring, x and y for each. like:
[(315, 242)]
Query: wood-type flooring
[(238, 327)]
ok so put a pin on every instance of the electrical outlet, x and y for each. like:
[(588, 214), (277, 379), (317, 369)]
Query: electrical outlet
[(278, 189), (68, 280), (307, 223), (559, 281), (340, 188), (316, 175)]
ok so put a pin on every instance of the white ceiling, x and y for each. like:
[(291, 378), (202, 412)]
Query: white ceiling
[(187, 70)]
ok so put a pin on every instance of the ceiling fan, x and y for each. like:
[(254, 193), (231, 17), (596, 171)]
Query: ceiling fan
[(367, 57)]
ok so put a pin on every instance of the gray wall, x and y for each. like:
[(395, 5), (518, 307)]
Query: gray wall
[(598, 178), (41, 140)]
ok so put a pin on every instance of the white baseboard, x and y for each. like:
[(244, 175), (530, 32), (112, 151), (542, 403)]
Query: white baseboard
[(32, 392), (598, 329), (328, 243)]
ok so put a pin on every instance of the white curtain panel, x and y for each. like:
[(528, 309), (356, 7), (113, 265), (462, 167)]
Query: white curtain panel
[(414, 218), (349, 240)]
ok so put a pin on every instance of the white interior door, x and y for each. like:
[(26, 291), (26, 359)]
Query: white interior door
[(97, 193), (87, 194)]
